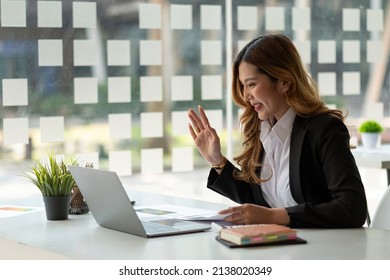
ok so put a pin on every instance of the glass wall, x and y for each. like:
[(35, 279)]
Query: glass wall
[(110, 81)]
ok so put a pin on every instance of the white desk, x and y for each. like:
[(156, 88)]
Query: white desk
[(374, 158), (80, 237)]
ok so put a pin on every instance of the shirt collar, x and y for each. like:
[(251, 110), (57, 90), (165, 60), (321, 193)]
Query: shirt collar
[(282, 128)]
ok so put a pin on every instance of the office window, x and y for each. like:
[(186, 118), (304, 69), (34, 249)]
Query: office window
[(111, 81)]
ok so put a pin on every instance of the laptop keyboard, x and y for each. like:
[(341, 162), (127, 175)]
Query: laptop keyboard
[(156, 228)]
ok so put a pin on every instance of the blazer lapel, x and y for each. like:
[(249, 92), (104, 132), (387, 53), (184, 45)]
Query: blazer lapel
[(297, 136)]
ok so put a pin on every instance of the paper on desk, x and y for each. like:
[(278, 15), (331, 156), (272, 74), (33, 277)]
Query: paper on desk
[(164, 211), (12, 210)]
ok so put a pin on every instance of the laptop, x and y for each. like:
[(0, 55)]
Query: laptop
[(111, 206)]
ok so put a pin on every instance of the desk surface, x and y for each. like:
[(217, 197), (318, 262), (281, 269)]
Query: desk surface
[(80, 237), (373, 158)]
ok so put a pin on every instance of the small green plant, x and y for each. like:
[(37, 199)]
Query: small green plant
[(53, 177), (370, 127)]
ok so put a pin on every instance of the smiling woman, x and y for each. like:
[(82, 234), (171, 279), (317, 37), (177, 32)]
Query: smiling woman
[(296, 167)]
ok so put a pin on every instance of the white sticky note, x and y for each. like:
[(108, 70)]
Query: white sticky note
[(211, 52), (120, 162), (150, 52), (375, 111), (49, 14), (304, 50), (211, 87), (15, 131), (301, 19), (84, 158), (241, 44), (149, 16), (84, 53), (152, 125), (216, 119), (182, 159), (351, 19), (85, 90), (180, 122), (326, 51), (15, 92), (374, 50), (327, 83), (52, 129), (351, 83), (50, 52), (120, 126), (210, 17), (181, 17), (84, 14), (274, 18), (118, 52), (247, 17), (152, 161), (13, 13), (374, 20), (182, 88), (119, 89), (351, 51), (151, 89)]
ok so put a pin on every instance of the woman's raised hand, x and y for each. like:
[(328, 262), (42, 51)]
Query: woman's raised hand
[(205, 137)]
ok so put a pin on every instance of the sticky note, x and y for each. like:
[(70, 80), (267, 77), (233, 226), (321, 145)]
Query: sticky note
[(52, 129), (13, 13), (182, 159), (152, 124), (374, 20), (150, 52), (351, 83), (301, 19), (247, 18), (15, 131), (351, 19), (210, 17), (304, 50), (149, 16), (84, 14), (180, 122), (274, 18), (119, 89), (181, 17), (118, 52), (327, 83), (375, 111), (152, 161), (211, 52), (351, 51), (50, 52), (211, 87), (49, 14), (216, 119), (15, 92), (84, 53), (326, 51), (374, 50), (120, 162), (181, 88), (151, 88), (120, 126), (85, 90)]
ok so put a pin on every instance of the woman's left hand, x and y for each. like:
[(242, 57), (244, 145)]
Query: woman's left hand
[(247, 214)]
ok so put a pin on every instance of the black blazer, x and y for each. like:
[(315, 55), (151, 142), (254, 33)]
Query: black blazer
[(324, 178)]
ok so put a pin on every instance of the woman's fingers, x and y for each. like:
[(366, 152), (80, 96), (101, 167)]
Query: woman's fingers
[(202, 113)]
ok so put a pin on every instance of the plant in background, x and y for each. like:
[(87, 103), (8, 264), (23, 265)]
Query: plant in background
[(370, 126), (53, 177)]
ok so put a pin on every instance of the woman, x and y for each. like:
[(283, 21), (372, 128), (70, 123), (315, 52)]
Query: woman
[(296, 167)]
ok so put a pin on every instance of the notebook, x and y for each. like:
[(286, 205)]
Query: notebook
[(111, 206)]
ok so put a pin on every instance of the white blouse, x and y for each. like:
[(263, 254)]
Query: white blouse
[(276, 161)]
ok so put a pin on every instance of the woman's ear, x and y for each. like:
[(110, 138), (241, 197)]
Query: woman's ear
[(285, 85)]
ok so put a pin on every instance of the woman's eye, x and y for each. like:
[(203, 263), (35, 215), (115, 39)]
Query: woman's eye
[(251, 85)]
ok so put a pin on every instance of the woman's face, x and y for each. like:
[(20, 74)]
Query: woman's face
[(266, 97)]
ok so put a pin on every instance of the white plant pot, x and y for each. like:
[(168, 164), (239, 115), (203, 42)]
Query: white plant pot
[(370, 140)]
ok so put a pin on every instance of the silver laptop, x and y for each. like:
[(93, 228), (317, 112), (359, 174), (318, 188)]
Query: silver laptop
[(112, 208)]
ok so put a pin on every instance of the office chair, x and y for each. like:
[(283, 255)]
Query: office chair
[(381, 218)]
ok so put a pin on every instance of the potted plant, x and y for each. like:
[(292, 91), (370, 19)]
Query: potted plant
[(370, 131), (55, 182)]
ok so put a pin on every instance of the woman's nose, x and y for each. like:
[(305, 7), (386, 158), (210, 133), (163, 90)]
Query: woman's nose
[(247, 95)]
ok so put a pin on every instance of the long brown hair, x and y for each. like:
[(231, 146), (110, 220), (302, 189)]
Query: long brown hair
[(276, 56)]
